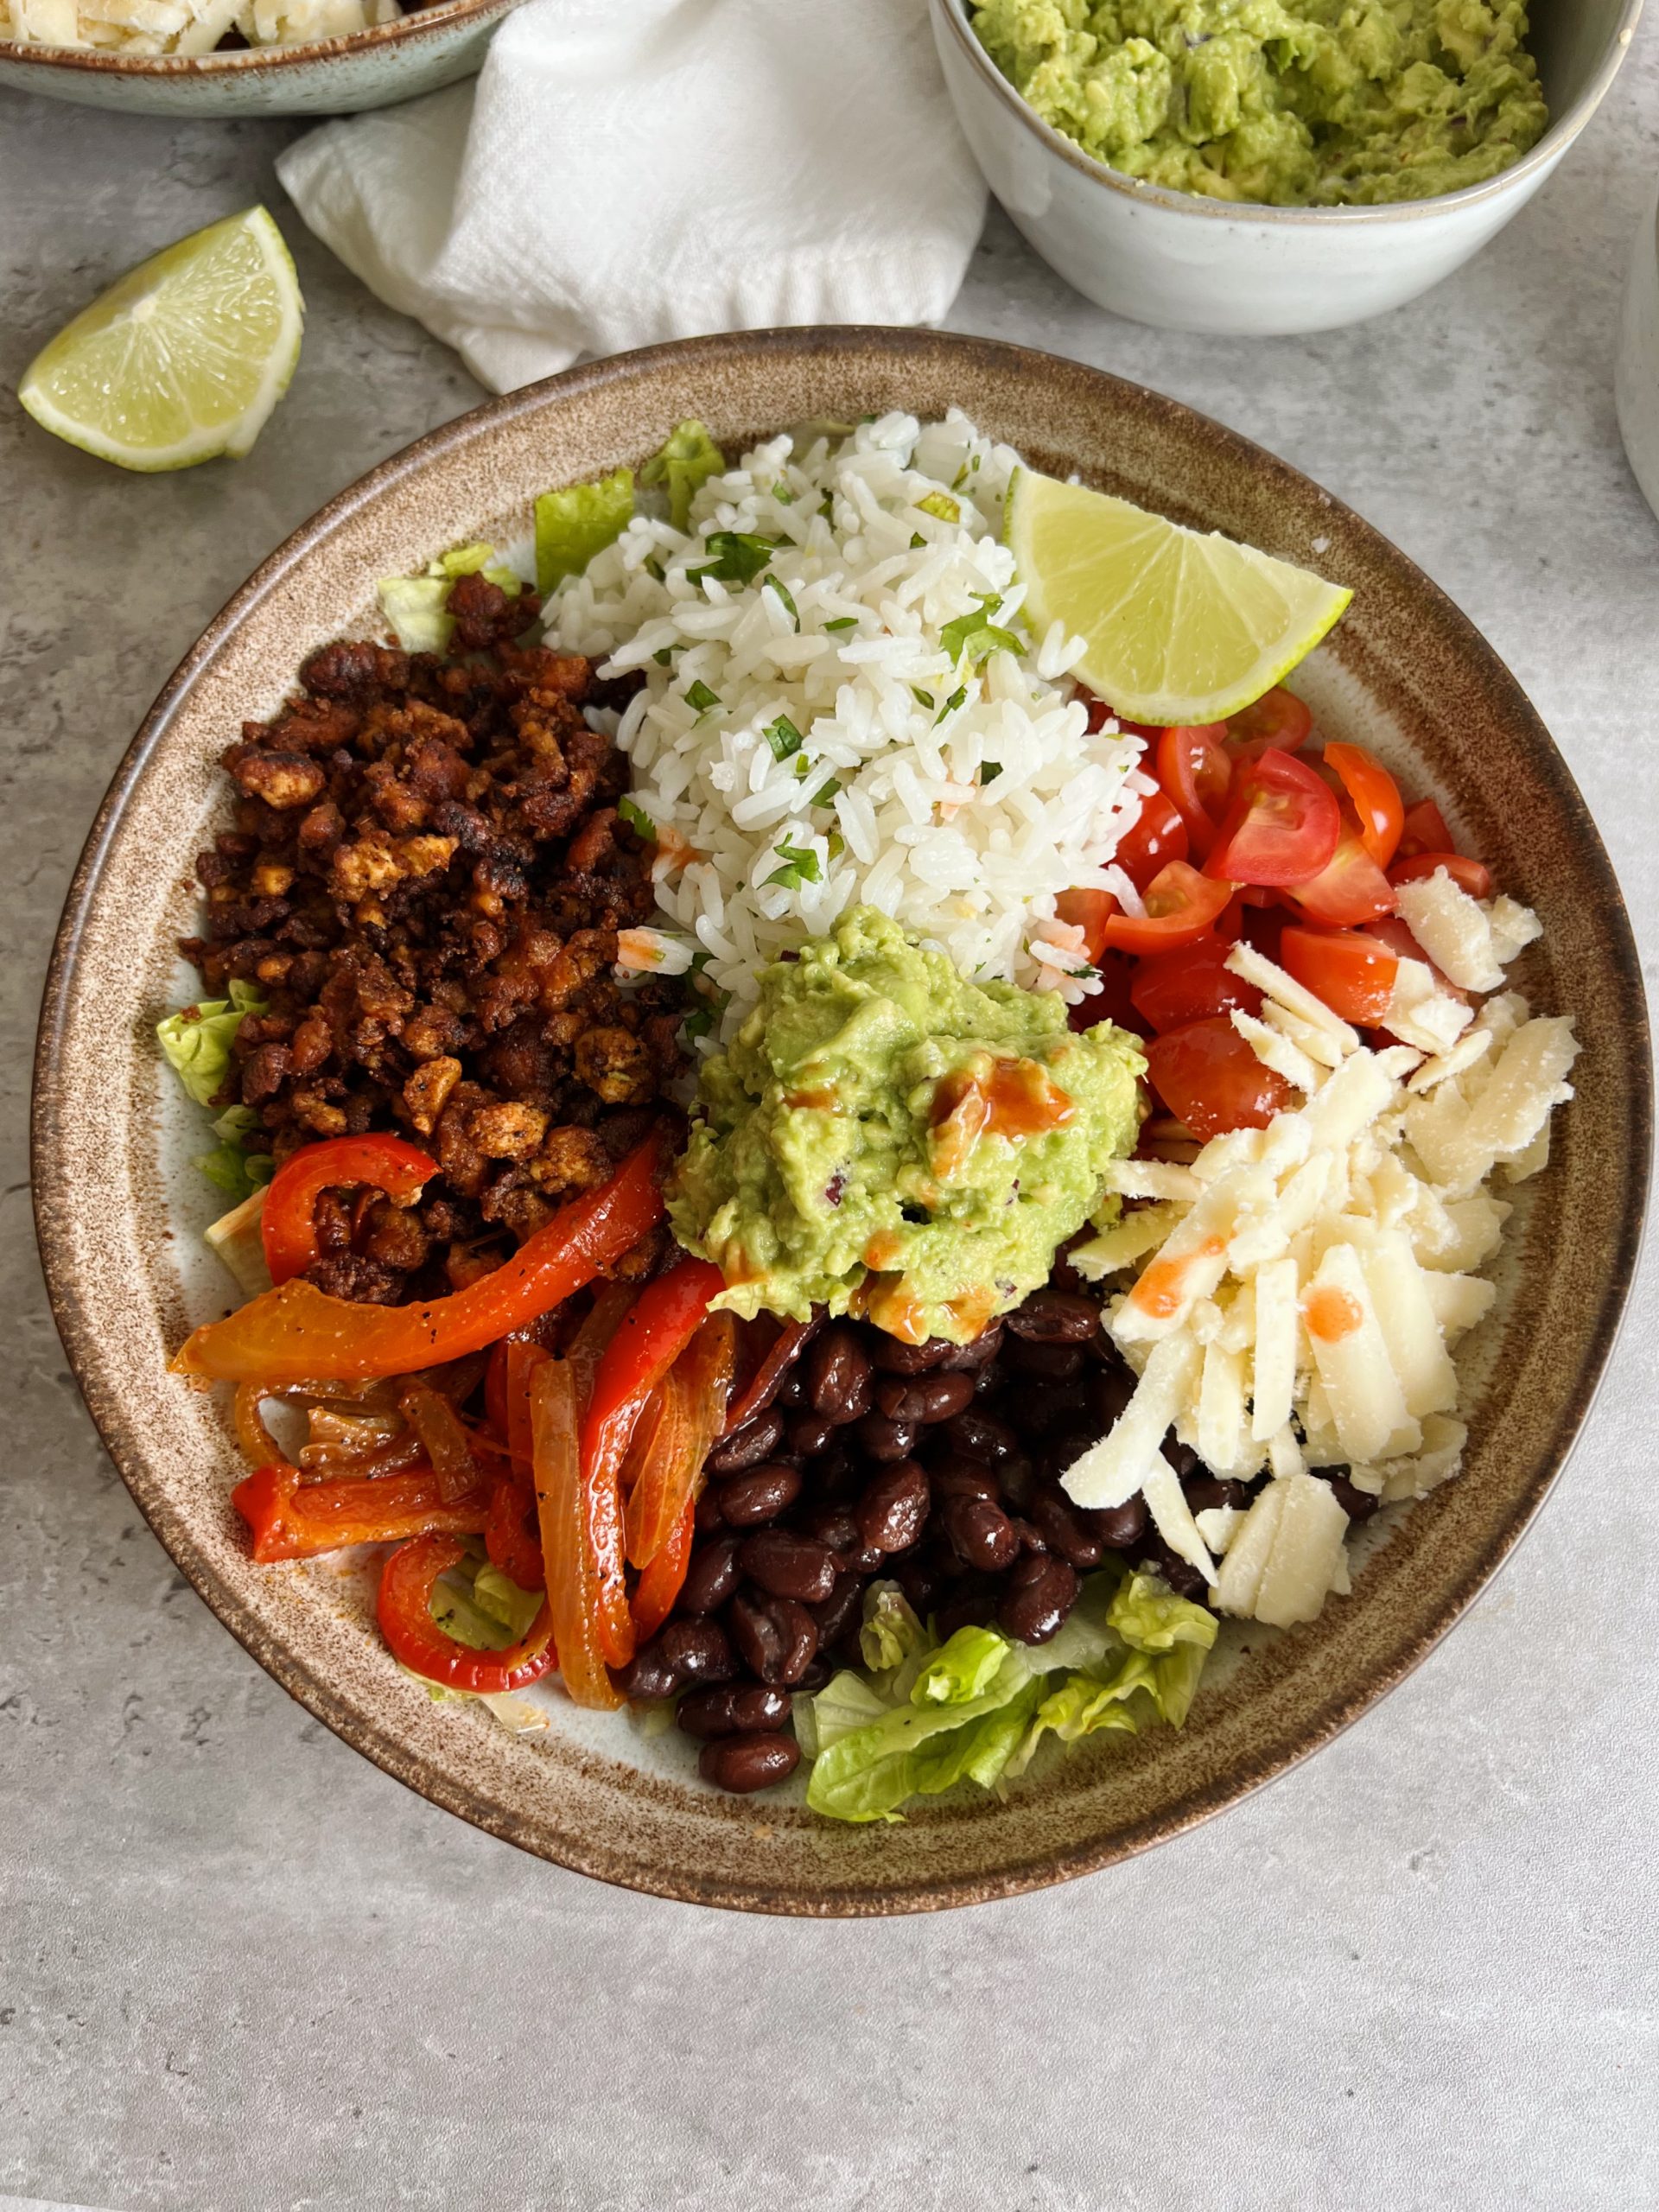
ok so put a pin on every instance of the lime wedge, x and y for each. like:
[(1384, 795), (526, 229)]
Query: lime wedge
[(1180, 628), (182, 360)]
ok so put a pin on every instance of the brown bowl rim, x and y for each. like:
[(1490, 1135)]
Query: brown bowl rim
[(363, 1734), (407, 30)]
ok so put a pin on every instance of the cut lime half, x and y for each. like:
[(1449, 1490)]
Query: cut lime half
[(182, 360), (1180, 628)]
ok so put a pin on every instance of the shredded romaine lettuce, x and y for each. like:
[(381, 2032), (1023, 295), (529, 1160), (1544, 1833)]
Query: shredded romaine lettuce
[(573, 524), (977, 1706), (415, 605), (688, 460), (230, 1166), (197, 1040)]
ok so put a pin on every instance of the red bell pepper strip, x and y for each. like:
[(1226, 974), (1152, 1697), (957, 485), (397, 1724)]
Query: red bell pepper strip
[(763, 1385), (508, 1540), (696, 1389), (404, 1611), (291, 1519), (571, 1571), (297, 1333), (287, 1225), (660, 1585)]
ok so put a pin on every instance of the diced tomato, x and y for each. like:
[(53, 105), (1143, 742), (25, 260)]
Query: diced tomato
[(1469, 875), (1209, 1078), (1278, 722), (1195, 774), (1181, 905), (1377, 801), (1157, 836), (1424, 831), (1111, 1002), (1392, 931), (1281, 825), (1350, 890), (1090, 912), (1354, 975), (1191, 984)]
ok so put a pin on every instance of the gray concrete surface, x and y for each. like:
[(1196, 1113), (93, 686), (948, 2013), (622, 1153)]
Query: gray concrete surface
[(240, 1968)]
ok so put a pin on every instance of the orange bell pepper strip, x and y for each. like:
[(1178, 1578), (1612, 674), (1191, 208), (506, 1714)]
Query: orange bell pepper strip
[(288, 1226), (404, 1611), (694, 1414), (571, 1567), (297, 1333), (443, 1435), (290, 1519), (507, 1538), (659, 1586)]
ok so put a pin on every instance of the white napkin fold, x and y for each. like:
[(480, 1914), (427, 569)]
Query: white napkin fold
[(630, 170)]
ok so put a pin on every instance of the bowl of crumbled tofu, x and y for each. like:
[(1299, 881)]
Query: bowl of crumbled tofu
[(242, 57)]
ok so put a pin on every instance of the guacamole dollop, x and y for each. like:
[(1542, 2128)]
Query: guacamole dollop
[(885, 1138), (1289, 102)]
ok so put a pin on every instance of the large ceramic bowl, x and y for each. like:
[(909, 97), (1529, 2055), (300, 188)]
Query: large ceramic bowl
[(118, 1208), (336, 76), (1189, 263)]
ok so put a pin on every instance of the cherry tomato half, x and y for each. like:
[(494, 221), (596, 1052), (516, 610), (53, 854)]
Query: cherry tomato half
[(1469, 875), (1424, 831), (1157, 836), (1278, 722), (1375, 795), (1354, 975), (1195, 774), (1391, 930), (1090, 912), (1192, 983), (1111, 1002), (1209, 1078), (1281, 825), (1350, 890), (1181, 905)]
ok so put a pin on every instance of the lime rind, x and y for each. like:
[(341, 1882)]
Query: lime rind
[(1180, 628), (183, 358)]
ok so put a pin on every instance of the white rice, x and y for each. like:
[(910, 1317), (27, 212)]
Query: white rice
[(966, 856)]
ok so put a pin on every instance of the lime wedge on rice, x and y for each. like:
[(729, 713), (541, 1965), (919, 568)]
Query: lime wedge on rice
[(184, 359), (1180, 628)]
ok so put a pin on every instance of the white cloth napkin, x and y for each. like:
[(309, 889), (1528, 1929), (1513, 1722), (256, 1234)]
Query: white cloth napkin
[(630, 170)]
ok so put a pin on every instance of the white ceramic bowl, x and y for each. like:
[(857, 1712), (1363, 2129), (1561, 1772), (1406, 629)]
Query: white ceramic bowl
[(1636, 383), (1189, 263), (336, 76)]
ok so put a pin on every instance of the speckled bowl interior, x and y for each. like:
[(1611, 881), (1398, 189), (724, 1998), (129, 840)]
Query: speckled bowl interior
[(118, 1208)]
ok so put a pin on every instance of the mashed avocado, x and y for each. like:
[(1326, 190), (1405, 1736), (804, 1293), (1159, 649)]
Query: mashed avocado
[(1290, 102), (884, 1138)]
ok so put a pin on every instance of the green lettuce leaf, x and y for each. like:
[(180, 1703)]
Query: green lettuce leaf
[(573, 524), (197, 1040), (868, 1773), (1149, 1617), (686, 463), (481, 1608), (1081, 1706), (962, 1670), (890, 1633), (500, 1596), (230, 1166), (415, 605), (846, 1701)]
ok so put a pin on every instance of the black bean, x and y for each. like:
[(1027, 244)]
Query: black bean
[(920, 1577), (747, 1446), (707, 1519), (1109, 1392), (776, 1637), (978, 1352), (981, 1533), (788, 1566), (650, 1674), (1063, 1528), (980, 1436), (1039, 1592), (924, 1398), (1204, 1490), (1018, 1479), (1357, 1505), (831, 1522), (1065, 1450), (817, 1673), (1051, 1406), (1031, 1537), (741, 1763), (882, 1439), (894, 1357), (1046, 1363), (747, 1708), (838, 1375), (809, 1433), (750, 1501), (791, 1391), (712, 1576), (1118, 1527), (1182, 1578), (1051, 1316), (893, 1511), (955, 1477), (841, 1610), (971, 1603), (1181, 1457), (698, 1650)]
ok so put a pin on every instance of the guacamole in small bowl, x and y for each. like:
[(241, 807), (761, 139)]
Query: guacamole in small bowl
[(1285, 103)]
